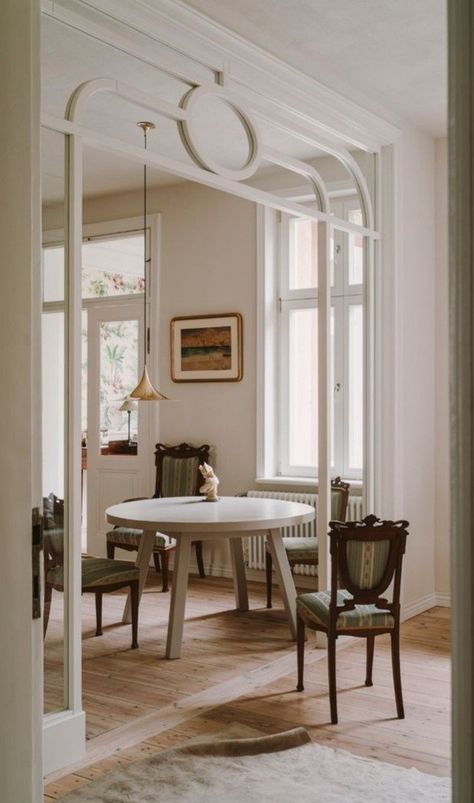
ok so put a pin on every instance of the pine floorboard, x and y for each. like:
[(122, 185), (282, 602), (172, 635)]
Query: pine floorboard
[(240, 667)]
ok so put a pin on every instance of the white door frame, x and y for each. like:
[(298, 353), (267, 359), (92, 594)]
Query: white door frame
[(221, 179), (21, 637)]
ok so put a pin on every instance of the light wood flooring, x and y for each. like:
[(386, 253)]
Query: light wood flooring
[(240, 667)]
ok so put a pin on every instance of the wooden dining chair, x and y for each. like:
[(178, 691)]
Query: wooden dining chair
[(365, 557), (177, 474), (98, 575), (304, 551)]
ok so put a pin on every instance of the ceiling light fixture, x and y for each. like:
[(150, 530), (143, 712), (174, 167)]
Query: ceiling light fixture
[(145, 390)]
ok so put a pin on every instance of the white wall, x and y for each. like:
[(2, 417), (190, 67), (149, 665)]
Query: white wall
[(442, 469), (414, 370)]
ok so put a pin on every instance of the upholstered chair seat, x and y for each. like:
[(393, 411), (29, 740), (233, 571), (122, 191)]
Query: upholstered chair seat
[(301, 549), (315, 608), (96, 572), (127, 535)]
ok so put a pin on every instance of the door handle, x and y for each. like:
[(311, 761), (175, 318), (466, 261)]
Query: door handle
[(36, 547)]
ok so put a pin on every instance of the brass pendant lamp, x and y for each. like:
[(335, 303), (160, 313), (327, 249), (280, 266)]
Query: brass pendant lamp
[(145, 390)]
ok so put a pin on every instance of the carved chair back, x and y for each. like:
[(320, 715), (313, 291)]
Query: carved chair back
[(177, 469), (339, 499), (366, 556)]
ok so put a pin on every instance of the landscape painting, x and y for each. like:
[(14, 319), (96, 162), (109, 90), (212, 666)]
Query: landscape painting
[(206, 349)]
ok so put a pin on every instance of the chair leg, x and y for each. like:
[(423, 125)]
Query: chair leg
[(200, 562), (332, 677), (98, 613), (156, 560), (397, 680), (48, 593), (165, 559), (268, 569), (300, 636), (135, 601), (110, 551), (370, 660)]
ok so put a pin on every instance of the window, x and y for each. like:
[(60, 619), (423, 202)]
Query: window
[(297, 360)]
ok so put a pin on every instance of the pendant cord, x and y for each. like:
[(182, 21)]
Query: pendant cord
[(144, 257)]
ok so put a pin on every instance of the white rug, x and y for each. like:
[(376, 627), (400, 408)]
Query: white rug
[(281, 768)]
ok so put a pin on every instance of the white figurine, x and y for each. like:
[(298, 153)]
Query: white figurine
[(210, 483)]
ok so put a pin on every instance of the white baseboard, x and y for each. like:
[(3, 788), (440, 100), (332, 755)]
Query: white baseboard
[(64, 739), (443, 599), (425, 603)]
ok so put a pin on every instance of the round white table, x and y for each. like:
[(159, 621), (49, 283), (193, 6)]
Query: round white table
[(188, 518)]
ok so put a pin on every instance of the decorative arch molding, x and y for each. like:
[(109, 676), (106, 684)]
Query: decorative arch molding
[(183, 116)]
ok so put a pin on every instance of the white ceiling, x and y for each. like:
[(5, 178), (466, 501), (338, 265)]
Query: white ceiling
[(388, 56), (383, 54)]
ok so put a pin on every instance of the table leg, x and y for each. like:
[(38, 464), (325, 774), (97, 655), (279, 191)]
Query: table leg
[(285, 579), (238, 573), (145, 549), (178, 595)]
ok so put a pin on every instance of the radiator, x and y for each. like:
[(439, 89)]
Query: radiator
[(256, 545)]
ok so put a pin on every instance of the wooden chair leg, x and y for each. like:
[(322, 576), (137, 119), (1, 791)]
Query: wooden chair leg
[(268, 569), (300, 636), (135, 601), (110, 551), (48, 593), (98, 612), (165, 559), (397, 680), (370, 660), (156, 560), (332, 677), (200, 562)]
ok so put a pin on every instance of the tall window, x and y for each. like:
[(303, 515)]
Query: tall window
[(298, 346)]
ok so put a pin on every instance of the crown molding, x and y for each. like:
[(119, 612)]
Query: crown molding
[(171, 35)]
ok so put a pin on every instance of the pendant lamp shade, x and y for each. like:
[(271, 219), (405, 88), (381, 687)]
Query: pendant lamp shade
[(145, 390)]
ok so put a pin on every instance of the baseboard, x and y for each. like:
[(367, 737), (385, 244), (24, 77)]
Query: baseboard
[(443, 599), (64, 739)]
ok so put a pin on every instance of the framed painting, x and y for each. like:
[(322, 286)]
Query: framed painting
[(207, 348)]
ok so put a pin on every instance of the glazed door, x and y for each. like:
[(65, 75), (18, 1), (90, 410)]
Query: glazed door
[(117, 460)]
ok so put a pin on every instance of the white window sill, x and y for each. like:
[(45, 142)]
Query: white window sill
[(305, 482)]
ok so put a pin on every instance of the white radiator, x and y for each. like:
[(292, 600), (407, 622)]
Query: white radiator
[(256, 545)]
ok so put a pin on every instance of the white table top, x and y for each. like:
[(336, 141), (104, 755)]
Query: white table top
[(193, 514)]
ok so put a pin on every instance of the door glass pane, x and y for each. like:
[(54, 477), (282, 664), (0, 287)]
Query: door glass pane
[(356, 379), (118, 377), (113, 266), (54, 424)]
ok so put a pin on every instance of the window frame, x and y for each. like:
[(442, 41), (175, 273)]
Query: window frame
[(343, 297)]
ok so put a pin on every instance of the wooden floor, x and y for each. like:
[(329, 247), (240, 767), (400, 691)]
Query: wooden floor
[(238, 667)]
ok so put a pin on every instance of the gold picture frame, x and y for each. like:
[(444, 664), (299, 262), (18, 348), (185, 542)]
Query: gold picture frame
[(207, 348)]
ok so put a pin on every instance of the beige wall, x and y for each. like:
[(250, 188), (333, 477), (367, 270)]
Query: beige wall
[(442, 475)]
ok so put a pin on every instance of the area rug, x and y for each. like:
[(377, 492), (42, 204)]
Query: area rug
[(281, 768)]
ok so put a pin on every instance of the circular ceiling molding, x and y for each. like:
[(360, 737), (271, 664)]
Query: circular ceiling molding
[(196, 139)]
